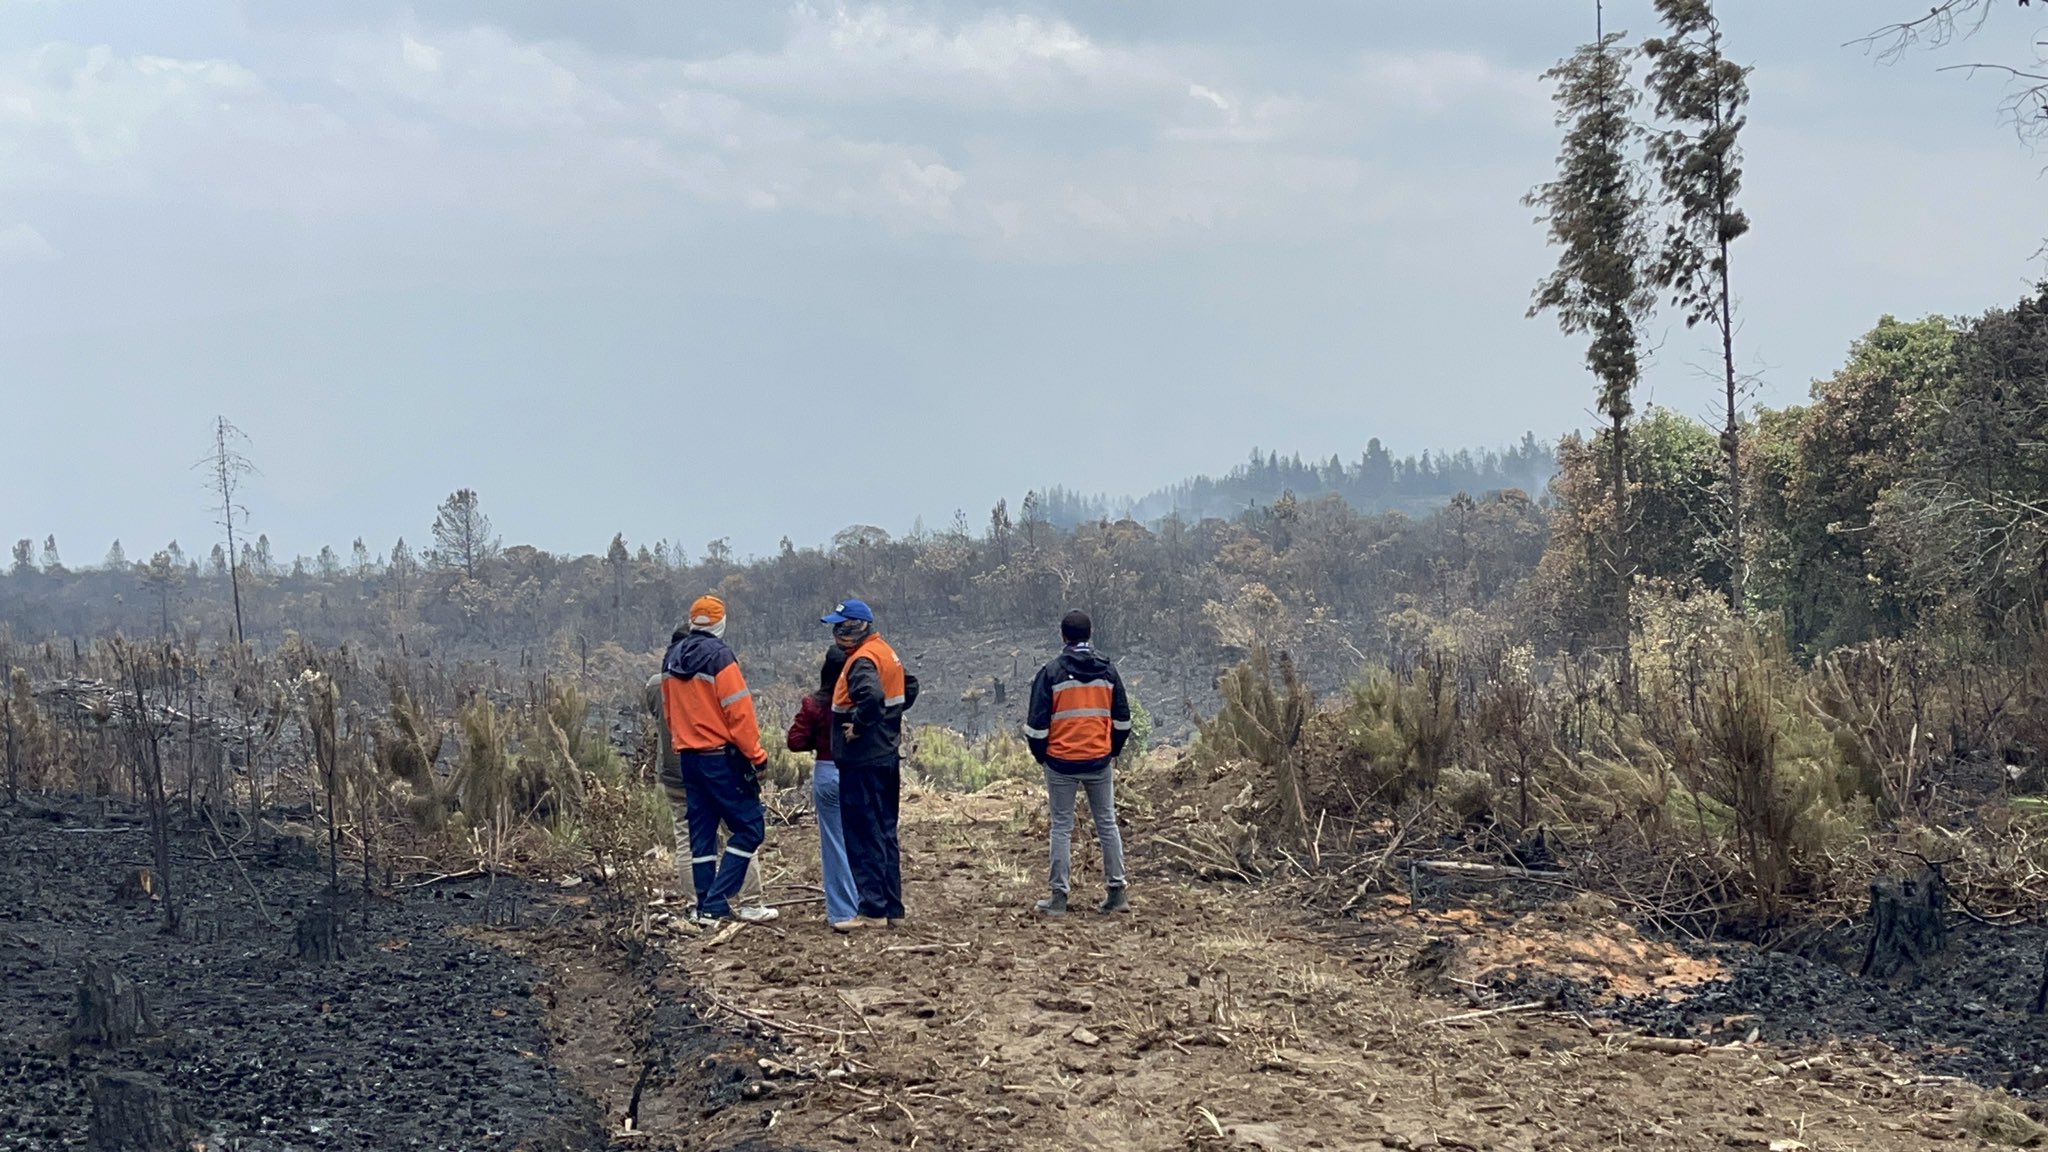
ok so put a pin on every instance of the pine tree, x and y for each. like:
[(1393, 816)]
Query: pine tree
[(462, 534), (617, 559), (1700, 95), (1597, 217)]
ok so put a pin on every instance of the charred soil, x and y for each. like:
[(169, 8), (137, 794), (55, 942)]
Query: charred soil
[(1215, 1014), (419, 1036)]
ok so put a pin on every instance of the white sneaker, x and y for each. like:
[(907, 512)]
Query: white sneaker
[(755, 914)]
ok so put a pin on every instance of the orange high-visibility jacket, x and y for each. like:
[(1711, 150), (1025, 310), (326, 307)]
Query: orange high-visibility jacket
[(872, 694), (1080, 715), (706, 699)]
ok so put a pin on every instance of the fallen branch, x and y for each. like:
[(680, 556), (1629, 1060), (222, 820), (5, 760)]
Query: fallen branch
[(1461, 1017), (857, 1013), (237, 860), (1461, 868), (1669, 1045), (792, 1026), (927, 947), (1204, 860), (470, 874)]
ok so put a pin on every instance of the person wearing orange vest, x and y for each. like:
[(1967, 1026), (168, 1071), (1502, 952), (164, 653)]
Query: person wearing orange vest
[(1076, 726), (717, 741), (669, 774), (868, 704)]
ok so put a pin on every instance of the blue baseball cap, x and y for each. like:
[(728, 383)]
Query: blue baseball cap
[(850, 610)]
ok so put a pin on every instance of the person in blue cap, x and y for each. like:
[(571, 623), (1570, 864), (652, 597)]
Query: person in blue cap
[(868, 703)]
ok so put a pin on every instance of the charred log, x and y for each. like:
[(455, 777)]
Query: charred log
[(110, 1011), (131, 1112), (1907, 929)]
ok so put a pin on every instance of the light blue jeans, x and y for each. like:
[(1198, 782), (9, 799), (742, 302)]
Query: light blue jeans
[(842, 901)]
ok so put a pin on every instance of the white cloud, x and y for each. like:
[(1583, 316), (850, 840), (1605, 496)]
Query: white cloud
[(872, 113), (1435, 82), (22, 244), (1215, 99), (871, 52)]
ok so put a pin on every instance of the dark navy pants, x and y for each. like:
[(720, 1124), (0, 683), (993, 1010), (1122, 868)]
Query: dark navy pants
[(718, 795), (869, 799)]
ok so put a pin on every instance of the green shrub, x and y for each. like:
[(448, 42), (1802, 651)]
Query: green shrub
[(950, 762), (1390, 740), (1140, 740)]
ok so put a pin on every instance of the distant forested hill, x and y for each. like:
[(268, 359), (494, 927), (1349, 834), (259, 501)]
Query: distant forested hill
[(1377, 481)]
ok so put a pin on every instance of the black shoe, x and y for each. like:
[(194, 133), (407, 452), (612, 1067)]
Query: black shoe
[(1053, 905), (1118, 900)]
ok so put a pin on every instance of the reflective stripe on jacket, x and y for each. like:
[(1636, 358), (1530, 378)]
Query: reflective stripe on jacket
[(1080, 715), (706, 698)]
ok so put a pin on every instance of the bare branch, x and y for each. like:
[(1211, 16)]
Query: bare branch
[(1940, 26)]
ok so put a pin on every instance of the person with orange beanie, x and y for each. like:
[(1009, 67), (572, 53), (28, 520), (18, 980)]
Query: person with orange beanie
[(717, 741), (669, 773)]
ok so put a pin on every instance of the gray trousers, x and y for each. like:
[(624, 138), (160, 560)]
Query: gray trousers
[(1101, 788)]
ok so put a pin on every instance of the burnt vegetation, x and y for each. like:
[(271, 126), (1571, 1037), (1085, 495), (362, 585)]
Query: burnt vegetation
[(1780, 679)]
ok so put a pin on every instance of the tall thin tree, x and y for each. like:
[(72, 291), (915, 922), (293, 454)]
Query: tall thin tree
[(618, 560), (1596, 211), (226, 467), (1699, 95)]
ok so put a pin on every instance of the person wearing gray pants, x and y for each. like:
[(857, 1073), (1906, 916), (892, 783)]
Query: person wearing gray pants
[(1101, 786), (1078, 722)]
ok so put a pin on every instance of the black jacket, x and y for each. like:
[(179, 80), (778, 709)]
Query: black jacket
[(877, 727), (1076, 664)]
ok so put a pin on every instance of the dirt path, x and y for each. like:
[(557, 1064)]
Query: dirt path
[(1205, 1019)]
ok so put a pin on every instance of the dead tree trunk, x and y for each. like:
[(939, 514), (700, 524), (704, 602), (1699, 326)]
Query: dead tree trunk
[(318, 934), (1906, 925), (109, 1011), (131, 1112)]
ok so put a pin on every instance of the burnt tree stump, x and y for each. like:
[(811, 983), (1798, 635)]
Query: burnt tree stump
[(318, 935), (1906, 925), (109, 1010), (136, 885), (131, 1112)]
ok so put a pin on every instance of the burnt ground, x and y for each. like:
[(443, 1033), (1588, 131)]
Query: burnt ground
[(422, 1037), (1968, 1014), (1216, 1015)]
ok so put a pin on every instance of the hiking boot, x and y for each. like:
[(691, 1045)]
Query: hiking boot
[(1053, 905), (1118, 900), (755, 914), (846, 925)]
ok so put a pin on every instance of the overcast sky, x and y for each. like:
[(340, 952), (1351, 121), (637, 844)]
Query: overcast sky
[(692, 270)]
